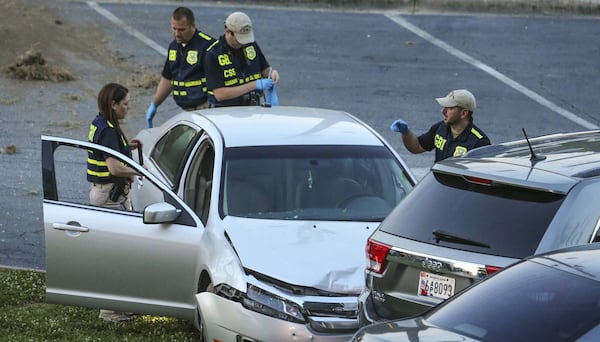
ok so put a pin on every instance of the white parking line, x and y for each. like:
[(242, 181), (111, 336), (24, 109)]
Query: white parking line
[(137, 34), (491, 71), (416, 30)]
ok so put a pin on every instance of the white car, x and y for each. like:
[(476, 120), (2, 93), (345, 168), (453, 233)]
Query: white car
[(249, 221)]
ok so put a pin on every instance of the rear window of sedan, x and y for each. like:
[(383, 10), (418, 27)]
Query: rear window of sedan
[(312, 182), (529, 302), (493, 219)]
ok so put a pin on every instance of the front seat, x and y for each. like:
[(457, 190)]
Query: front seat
[(326, 193), (246, 199)]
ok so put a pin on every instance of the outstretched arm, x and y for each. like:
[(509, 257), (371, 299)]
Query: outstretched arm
[(411, 142)]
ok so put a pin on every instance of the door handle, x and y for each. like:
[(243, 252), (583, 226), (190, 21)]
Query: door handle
[(71, 226), (140, 182)]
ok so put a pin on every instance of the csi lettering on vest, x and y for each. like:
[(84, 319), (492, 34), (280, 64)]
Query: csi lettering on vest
[(439, 142), (224, 60), (229, 73)]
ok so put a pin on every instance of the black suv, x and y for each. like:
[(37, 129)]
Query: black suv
[(475, 214)]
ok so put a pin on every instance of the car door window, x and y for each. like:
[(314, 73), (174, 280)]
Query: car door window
[(71, 184), (170, 151), (71, 178), (198, 185), (64, 173)]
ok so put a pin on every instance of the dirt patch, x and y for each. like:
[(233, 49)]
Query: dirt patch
[(30, 26), (32, 66), (9, 149), (41, 44), (52, 64), (145, 81)]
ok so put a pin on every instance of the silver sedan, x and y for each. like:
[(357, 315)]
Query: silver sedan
[(249, 221)]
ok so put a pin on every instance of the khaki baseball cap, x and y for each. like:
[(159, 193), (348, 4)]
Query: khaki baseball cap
[(461, 98), (240, 24)]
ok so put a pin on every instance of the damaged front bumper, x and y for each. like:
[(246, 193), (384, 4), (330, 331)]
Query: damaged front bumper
[(230, 320)]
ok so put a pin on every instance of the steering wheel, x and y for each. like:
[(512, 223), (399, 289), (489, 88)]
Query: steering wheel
[(344, 203), (364, 201)]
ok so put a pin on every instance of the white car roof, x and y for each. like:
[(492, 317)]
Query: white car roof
[(280, 125)]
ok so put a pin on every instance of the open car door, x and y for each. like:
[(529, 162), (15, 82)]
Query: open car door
[(143, 261)]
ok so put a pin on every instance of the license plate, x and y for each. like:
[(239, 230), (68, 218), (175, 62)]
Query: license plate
[(433, 285)]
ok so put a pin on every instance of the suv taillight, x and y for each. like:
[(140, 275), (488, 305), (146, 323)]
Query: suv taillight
[(376, 253), (477, 180)]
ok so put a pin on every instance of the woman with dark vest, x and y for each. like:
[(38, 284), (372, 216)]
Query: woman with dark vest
[(110, 179)]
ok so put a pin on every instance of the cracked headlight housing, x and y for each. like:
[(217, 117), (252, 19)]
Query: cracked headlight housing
[(264, 302)]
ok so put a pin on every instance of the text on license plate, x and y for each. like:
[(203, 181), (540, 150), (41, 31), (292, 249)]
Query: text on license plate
[(433, 285)]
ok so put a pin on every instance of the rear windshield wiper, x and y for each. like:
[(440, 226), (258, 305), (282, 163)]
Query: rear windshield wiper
[(440, 235)]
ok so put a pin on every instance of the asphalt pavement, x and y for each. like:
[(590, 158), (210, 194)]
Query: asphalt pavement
[(583, 7), (528, 71)]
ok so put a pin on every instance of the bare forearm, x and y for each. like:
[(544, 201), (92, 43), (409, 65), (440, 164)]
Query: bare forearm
[(116, 168), (228, 93), (162, 91), (411, 142)]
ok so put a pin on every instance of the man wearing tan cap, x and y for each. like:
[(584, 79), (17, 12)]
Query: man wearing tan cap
[(237, 72), (451, 137)]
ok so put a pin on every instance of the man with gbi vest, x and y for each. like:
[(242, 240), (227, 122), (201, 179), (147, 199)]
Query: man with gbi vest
[(454, 135)]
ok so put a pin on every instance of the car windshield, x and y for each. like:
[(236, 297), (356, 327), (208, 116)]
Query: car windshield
[(529, 302), (358, 183), (450, 211)]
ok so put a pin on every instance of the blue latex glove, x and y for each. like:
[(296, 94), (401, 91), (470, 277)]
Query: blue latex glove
[(150, 114), (399, 126), (264, 84), (271, 97)]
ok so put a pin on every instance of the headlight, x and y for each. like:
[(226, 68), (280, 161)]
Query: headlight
[(264, 302), (267, 303)]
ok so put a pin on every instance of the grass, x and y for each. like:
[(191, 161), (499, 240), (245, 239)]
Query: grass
[(24, 316)]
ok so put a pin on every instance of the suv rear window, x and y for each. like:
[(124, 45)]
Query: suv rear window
[(498, 219)]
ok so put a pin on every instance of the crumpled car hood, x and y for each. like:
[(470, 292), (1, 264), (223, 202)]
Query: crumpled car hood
[(326, 255)]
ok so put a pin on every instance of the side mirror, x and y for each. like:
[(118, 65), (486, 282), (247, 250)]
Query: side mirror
[(160, 213)]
